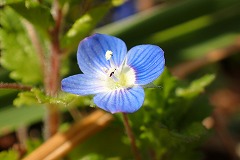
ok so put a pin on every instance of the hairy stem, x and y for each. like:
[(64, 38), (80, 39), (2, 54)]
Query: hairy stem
[(52, 82), (131, 137), (15, 86)]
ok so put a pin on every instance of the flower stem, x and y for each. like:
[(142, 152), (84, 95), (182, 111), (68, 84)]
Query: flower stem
[(131, 137)]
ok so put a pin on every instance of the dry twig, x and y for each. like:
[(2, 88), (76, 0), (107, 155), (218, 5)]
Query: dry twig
[(61, 143)]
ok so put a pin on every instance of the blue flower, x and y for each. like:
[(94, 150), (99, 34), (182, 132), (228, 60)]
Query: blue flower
[(116, 77)]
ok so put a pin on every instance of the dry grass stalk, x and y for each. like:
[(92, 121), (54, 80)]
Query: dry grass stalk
[(61, 143)]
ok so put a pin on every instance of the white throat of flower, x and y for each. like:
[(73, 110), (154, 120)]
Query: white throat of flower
[(118, 77)]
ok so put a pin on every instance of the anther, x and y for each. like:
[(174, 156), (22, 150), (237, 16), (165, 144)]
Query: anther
[(108, 54), (112, 73)]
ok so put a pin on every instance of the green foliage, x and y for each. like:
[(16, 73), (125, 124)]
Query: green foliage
[(37, 96), (36, 13), (32, 144), (29, 98), (11, 118), (168, 126), (166, 122), (195, 87), (9, 155), (7, 2), (92, 157), (18, 55), (83, 26)]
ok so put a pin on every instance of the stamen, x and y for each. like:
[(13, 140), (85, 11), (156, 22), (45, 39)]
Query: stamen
[(112, 73), (108, 55)]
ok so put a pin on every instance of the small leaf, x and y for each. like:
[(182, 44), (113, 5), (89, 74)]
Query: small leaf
[(192, 133), (93, 157), (83, 26), (25, 98), (29, 98), (117, 2), (9, 155), (151, 85), (196, 87), (37, 96)]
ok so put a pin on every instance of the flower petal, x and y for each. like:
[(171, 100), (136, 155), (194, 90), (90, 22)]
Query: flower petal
[(122, 100), (147, 61), (92, 50), (82, 84)]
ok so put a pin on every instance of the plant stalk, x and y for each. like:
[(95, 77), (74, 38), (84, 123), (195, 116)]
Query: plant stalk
[(131, 137), (15, 86), (52, 82)]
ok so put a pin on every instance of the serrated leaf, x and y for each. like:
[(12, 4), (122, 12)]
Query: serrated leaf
[(192, 133), (83, 26), (25, 98), (196, 87), (37, 14), (9, 155), (28, 98), (18, 55), (37, 96)]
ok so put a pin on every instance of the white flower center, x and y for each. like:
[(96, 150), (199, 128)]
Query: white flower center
[(119, 77)]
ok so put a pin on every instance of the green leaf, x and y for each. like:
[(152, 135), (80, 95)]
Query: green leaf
[(117, 2), (92, 156), (158, 96), (37, 96), (12, 118), (9, 155), (18, 55), (83, 26), (28, 98), (32, 144), (196, 87), (36, 13), (193, 132), (25, 98), (7, 2)]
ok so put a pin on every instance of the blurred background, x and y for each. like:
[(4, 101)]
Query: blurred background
[(196, 114)]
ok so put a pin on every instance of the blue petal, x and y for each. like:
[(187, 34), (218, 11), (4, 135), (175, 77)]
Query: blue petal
[(147, 61), (92, 50), (122, 100), (82, 84)]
